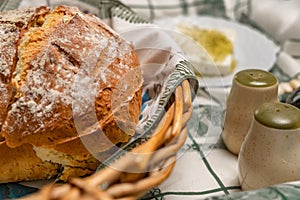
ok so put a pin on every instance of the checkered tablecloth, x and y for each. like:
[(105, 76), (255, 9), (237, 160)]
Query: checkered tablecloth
[(205, 169)]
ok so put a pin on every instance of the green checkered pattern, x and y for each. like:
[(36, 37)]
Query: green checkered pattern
[(153, 9), (9, 5), (145, 11)]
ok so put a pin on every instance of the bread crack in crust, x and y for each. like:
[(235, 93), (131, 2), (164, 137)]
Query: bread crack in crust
[(49, 61)]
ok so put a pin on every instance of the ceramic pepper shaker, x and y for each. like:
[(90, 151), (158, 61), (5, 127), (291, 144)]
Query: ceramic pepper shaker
[(250, 88), (270, 153)]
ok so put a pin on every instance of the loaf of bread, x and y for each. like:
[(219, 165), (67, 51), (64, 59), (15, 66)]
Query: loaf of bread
[(70, 90)]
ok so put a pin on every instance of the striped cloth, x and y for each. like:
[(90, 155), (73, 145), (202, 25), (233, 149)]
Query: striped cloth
[(282, 24), (204, 169)]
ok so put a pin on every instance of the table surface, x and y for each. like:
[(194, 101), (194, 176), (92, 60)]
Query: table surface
[(204, 168)]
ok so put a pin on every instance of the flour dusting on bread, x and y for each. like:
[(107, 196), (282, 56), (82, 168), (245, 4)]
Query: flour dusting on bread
[(60, 65)]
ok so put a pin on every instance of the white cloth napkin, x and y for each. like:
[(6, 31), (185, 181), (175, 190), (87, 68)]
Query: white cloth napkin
[(279, 19)]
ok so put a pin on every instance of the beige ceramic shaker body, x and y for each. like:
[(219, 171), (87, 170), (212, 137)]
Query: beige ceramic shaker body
[(270, 153), (250, 88)]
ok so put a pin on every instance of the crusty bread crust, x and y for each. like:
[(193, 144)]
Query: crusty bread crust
[(57, 63), (21, 163), (9, 34)]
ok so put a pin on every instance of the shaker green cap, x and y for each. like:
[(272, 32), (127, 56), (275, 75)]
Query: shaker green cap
[(278, 115), (255, 78)]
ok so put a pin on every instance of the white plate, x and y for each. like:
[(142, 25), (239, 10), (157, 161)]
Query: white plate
[(252, 49)]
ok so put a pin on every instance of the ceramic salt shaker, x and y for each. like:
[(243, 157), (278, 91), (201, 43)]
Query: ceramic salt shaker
[(250, 88), (270, 153)]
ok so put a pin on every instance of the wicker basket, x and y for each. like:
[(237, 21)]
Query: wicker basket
[(160, 151), (130, 177)]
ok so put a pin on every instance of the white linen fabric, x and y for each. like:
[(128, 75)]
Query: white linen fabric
[(204, 167)]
